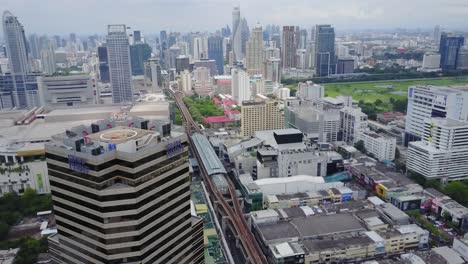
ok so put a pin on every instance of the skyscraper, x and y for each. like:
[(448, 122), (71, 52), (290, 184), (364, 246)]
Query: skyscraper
[(121, 194), (137, 36), (18, 60), (448, 49), (236, 34), (240, 85), (289, 45), (215, 52), (325, 50), (139, 53), (245, 32), (34, 46), (48, 59), (118, 53), (172, 53), (254, 51), (437, 35), (163, 46), (200, 48), (103, 64)]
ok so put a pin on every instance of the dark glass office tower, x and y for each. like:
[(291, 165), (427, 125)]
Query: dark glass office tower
[(215, 52), (448, 49), (325, 60)]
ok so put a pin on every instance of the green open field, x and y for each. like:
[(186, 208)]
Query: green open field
[(383, 90)]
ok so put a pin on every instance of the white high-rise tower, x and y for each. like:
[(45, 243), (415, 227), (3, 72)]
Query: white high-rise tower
[(17, 52), (236, 34), (240, 85), (118, 53)]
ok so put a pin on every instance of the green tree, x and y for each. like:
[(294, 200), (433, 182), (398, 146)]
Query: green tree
[(400, 105), (360, 146), (397, 153), (457, 191), (378, 102), (4, 229), (446, 216)]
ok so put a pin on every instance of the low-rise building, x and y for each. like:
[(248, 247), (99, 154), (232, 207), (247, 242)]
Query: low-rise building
[(381, 147), (285, 154), (414, 236), (460, 245), (392, 215)]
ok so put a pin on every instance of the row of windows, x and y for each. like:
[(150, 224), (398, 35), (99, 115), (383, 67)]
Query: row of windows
[(171, 238), (127, 217), (115, 197), (152, 232), (116, 230), (169, 259), (101, 180), (113, 162)]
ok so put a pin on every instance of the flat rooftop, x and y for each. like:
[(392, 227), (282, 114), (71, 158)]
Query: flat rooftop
[(278, 231), (321, 225), (324, 244), (119, 134)]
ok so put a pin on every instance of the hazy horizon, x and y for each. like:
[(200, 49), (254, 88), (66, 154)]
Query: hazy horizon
[(89, 17)]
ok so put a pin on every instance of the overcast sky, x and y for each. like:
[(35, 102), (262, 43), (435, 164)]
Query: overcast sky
[(92, 16)]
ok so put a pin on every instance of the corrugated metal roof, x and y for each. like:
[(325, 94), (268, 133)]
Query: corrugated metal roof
[(210, 161)]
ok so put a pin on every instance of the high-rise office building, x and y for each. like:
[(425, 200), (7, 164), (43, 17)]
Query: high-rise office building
[(462, 60), (303, 39), (433, 101), (137, 36), (448, 49), (121, 194), (207, 63), (172, 54), (163, 46), (182, 63), (103, 64), (118, 52), (186, 81), (72, 37), (272, 70), (18, 59), (200, 48), (236, 35), (289, 46), (325, 60), (215, 52), (245, 32), (310, 91), (353, 122), (48, 59), (344, 66), (437, 35), (259, 115), (254, 52), (443, 151), (240, 85), (139, 53), (34, 46)]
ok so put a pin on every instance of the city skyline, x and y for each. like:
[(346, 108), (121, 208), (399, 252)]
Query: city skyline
[(151, 16)]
